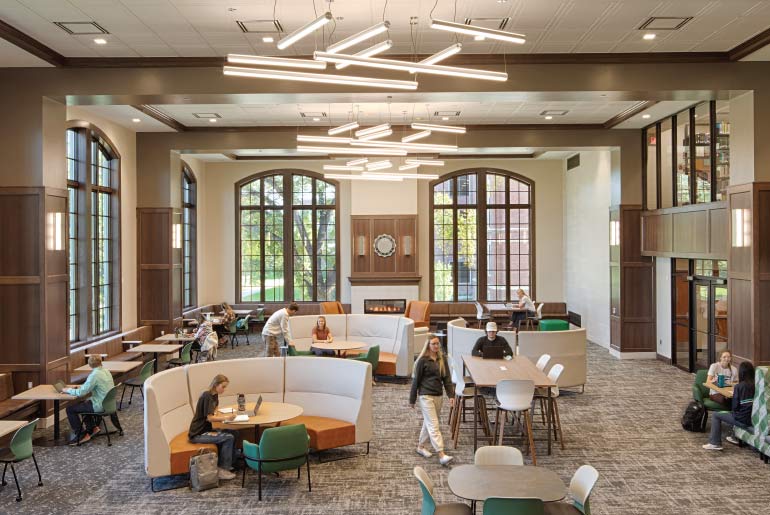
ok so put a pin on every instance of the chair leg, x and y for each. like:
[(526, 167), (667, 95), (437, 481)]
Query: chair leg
[(116, 422), (107, 431), (120, 404), (5, 469), (558, 422), (500, 427), (131, 395), (16, 479), (243, 479), (542, 410), (39, 477), (528, 421), (259, 480), (309, 487)]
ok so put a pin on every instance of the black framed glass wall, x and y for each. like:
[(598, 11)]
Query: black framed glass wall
[(189, 238), (686, 157), (93, 182)]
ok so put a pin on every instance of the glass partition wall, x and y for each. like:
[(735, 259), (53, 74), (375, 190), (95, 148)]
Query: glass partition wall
[(686, 157)]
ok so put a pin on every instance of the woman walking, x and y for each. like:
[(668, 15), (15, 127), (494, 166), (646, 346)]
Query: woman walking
[(431, 379)]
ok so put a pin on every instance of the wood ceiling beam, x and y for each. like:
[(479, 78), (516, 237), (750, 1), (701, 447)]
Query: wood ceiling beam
[(31, 45)]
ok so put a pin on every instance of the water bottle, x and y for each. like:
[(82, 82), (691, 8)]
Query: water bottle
[(721, 380), (241, 402)]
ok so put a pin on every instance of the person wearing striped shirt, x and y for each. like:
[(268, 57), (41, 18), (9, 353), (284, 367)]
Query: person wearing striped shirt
[(740, 414)]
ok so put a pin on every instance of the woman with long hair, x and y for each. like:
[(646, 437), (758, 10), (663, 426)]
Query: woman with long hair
[(740, 415), (201, 430), (322, 334), (431, 378)]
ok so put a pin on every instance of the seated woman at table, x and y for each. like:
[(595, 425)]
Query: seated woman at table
[(322, 334), (201, 430), (525, 304), (227, 318), (431, 378), (723, 368), (98, 383), (740, 414), (206, 341), (491, 340)]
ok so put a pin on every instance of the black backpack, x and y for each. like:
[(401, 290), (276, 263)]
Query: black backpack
[(695, 417)]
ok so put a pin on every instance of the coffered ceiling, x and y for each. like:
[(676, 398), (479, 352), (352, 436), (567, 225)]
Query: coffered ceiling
[(209, 28)]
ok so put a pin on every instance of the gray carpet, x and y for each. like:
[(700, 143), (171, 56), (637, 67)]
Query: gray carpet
[(647, 463)]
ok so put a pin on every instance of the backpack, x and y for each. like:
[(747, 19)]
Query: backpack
[(203, 471), (695, 417)]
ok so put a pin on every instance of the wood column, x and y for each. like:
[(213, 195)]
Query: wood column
[(33, 285), (159, 257), (632, 285), (748, 273)]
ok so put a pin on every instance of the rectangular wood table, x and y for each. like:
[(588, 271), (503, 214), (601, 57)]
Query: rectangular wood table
[(46, 392), (116, 367), (9, 426), (157, 348), (171, 337), (489, 372), (727, 390)]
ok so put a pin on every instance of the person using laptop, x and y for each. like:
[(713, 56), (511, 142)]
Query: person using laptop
[(431, 378), (201, 430), (485, 344), (98, 383)]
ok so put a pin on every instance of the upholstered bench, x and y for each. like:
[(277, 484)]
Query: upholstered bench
[(182, 449), (553, 325), (326, 433), (9, 406)]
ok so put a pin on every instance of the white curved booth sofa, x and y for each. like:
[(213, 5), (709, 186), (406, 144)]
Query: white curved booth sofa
[(335, 395), (394, 335), (565, 347), (461, 339)]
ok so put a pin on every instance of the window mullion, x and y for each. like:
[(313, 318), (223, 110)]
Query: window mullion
[(288, 236), (314, 240), (481, 236), (455, 246)]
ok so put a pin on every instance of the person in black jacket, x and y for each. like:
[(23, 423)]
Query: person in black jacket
[(201, 430), (491, 340), (431, 378), (740, 415)]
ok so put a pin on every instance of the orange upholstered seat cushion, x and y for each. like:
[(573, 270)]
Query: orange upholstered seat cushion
[(326, 433), (387, 364), (332, 308), (182, 449)]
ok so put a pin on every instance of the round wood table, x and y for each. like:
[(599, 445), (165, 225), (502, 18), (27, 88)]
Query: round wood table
[(269, 413), (479, 482), (338, 346)]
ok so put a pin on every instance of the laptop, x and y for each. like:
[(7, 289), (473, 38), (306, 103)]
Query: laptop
[(59, 386), (256, 406), (494, 353)]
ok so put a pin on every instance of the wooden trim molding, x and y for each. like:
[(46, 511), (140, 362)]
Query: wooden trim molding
[(628, 113), (31, 45), (749, 46), (379, 280), (153, 112)]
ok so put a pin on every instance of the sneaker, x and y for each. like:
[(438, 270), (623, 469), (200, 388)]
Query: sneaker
[(83, 439), (733, 440), (96, 431), (73, 440), (225, 474), (425, 453), (445, 460), (712, 447)]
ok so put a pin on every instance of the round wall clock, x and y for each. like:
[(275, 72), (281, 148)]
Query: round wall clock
[(384, 245)]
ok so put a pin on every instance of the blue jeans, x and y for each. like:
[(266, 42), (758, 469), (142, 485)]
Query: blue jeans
[(225, 441), (716, 425), (73, 416)]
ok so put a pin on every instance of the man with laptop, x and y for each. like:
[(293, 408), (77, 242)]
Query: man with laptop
[(492, 346), (98, 383)]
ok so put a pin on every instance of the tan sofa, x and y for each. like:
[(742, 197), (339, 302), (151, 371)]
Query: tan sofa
[(335, 395), (565, 347)]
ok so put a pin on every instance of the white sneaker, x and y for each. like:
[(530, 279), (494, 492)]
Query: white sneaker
[(225, 474), (425, 453), (712, 447), (733, 440), (445, 460)]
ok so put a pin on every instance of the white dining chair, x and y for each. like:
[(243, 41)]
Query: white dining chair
[(429, 504), (542, 396), (481, 316), (580, 488), (462, 393), (515, 396), (542, 362), (498, 455)]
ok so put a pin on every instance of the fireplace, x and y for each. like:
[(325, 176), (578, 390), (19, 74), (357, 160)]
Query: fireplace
[(384, 306)]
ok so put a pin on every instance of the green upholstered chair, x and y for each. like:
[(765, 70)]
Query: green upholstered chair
[(109, 409), (185, 357), (505, 506), (20, 450), (701, 394), (291, 350), (371, 356), (280, 448), (429, 506), (242, 328), (137, 382), (553, 325), (232, 332)]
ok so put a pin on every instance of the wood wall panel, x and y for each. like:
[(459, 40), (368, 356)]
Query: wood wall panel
[(20, 220), (155, 233), (381, 265), (154, 287), (630, 231), (691, 233), (762, 353), (615, 332), (57, 345), (697, 231), (657, 233), (371, 268), (762, 213), (360, 228), (640, 303), (20, 320), (740, 318), (406, 228), (638, 337), (719, 233)]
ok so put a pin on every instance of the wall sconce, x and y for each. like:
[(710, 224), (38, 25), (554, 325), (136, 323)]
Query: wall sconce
[(176, 238), (614, 233), (407, 245), (741, 229), (54, 231), (361, 240)]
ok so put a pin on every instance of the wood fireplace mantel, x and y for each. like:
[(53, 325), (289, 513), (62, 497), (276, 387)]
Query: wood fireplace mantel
[(384, 281)]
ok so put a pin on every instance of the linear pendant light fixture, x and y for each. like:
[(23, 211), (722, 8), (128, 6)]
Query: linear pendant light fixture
[(471, 30), (376, 135), (424, 162), (427, 147), (356, 162), (304, 31), (347, 80), (391, 64), (322, 139), (343, 128), (275, 61), (379, 165), (415, 136), (359, 37), (372, 130), (408, 166), (371, 151), (401, 175), (368, 52), (443, 54), (344, 168), (363, 177), (454, 129)]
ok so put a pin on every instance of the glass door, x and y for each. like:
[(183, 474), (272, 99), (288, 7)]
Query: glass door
[(680, 331), (701, 323)]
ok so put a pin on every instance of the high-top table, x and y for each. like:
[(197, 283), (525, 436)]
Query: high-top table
[(46, 392), (338, 346), (480, 482), (157, 348), (171, 337), (489, 372)]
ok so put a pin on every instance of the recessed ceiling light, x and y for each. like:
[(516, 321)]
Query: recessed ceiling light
[(549, 117), (136, 120), (212, 120), (645, 116), (649, 37), (100, 41), (445, 118), (268, 39)]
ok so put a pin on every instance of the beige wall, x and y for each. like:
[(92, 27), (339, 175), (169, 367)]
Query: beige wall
[(742, 139), (125, 143)]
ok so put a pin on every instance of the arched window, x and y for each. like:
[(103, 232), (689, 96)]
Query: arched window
[(93, 182), (189, 238), (481, 242), (287, 239)]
